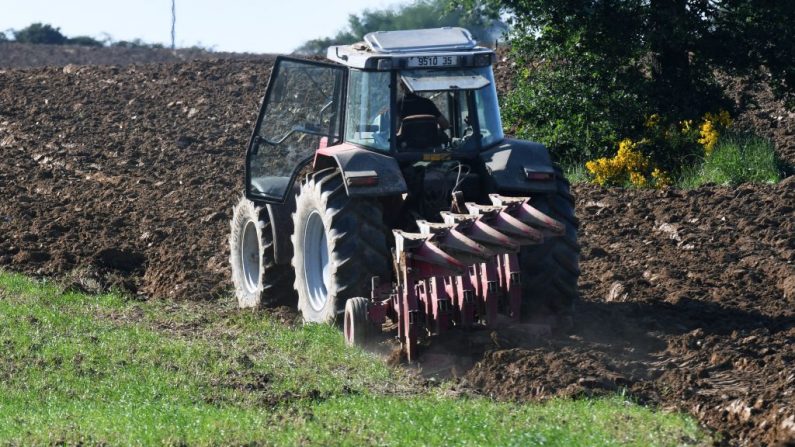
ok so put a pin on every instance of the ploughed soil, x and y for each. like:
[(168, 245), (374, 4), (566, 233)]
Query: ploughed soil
[(688, 302), (18, 55), (126, 176)]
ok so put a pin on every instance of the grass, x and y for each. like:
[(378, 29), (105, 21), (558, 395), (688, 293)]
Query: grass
[(79, 369), (736, 159), (576, 173)]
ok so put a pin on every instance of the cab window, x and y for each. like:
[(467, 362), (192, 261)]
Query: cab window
[(367, 119), (300, 114)]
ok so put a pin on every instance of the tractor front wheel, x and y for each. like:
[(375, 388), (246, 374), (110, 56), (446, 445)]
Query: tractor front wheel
[(258, 280), (339, 244), (356, 325)]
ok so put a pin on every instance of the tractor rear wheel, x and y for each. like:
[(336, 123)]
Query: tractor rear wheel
[(550, 271), (339, 244), (258, 280)]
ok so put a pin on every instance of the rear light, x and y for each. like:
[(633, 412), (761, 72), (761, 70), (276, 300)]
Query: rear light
[(541, 176), (361, 178)]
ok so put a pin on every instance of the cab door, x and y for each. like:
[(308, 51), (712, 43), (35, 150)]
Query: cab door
[(301, 112)]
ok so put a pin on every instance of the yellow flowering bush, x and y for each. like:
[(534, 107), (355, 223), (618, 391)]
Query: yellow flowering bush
[(711, 127), (628, 165), (661, 178), (652, 121), (667, 142), (637, 179), (722, 118)]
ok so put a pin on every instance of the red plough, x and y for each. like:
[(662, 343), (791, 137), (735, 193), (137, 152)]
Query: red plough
[(454, 274)]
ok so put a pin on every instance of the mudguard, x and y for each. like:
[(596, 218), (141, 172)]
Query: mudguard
[(281, 218), (520, 167), (365, 173)]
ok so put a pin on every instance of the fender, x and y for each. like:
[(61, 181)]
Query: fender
[(281, 218), (520, 166), (365, 173)]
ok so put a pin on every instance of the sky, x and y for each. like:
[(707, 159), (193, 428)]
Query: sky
[(266, 26)]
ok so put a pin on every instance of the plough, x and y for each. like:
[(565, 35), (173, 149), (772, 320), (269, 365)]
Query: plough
[(459, 273)]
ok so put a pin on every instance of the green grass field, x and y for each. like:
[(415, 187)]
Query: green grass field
[(78, 369)]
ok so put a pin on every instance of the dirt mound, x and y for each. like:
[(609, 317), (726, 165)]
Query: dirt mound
[(127, 176), (19, 55)]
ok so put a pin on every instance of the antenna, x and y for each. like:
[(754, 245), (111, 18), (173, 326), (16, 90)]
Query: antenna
[(173, 23)]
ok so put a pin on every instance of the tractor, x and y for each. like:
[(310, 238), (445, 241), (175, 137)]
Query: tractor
[(381, 191)]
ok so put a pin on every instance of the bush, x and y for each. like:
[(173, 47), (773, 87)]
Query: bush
[(605, 65), (734, 159), (38, 33), (665, 146), (578, 115)]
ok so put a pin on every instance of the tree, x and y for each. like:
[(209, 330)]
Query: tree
[(594, 69), (748, 34), (420, 14), (40, 34)]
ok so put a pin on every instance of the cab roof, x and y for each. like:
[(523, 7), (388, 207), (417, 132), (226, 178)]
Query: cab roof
[(386, 50)]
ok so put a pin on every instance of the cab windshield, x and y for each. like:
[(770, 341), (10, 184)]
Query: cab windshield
[(460, 104), (466, 99)]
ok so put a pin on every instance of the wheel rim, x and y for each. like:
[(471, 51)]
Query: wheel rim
[(249, 257), (316, 262)]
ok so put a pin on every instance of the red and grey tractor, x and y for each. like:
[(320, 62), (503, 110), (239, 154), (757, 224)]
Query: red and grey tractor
[(359, 206)]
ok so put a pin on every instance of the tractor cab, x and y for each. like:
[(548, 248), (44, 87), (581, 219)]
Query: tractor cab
[(419, 91), (404, 94)]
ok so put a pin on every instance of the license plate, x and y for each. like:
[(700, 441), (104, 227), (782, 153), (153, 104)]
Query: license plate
[(432, 61)]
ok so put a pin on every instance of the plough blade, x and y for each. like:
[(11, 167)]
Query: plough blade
[(520, 208), (497, 217), (452, 241), (425, 255), (481, 232)]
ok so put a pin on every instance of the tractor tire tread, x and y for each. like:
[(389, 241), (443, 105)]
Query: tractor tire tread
[(357, 242)]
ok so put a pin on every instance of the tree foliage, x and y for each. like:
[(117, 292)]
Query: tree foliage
[(38, 33), (593, 70), (420, 14)]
